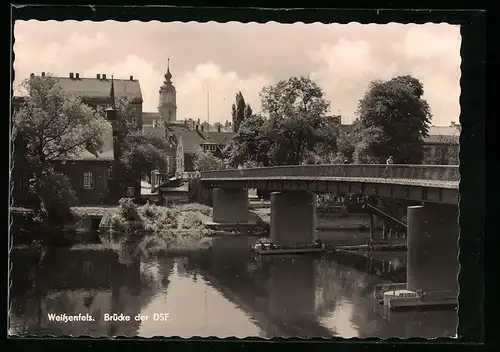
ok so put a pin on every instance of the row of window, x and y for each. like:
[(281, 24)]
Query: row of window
[(88, 178), (209, 147)]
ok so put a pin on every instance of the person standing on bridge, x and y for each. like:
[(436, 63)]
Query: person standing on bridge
[(389, 161)]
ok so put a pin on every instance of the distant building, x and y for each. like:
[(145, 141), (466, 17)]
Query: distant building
[(442, 145), (186, 137)]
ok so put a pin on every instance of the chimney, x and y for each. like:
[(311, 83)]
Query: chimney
[(198, 121), (32, 75), (71, 75), (196, 128), (77, 75), (43, 74), (98, 76), (131, 78), (452, 123), (201, 128), (218, 128), (104, 76)]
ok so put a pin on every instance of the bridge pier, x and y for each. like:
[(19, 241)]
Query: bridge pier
[(230, 206), (293, 217), (433, 250)]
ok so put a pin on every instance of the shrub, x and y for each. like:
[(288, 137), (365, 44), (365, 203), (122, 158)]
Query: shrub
[(128, 209), (55, 197)]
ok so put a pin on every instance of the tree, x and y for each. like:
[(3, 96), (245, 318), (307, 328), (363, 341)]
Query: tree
[(370, 146), (297, 120), (206, 161), (248, 111), (395, 119), (51, 126), (55, 126), (251, 143), (346, 144), (240, 110), (141, 154)]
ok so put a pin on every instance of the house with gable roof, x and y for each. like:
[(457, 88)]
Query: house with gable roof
[(92, 174)]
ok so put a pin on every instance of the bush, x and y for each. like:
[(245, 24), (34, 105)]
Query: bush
[(55, 197), (127, 209)]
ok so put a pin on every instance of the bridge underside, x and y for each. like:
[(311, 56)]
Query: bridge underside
[(427, 192), (433, 231)]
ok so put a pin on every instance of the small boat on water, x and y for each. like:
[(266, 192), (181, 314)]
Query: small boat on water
[(269, 248)]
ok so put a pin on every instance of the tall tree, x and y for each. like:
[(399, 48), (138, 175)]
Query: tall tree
[(55, 126), (141, 154), (52, 126), (393, 120), (251, 143), (248, 111), (297, 123), (238, 111)]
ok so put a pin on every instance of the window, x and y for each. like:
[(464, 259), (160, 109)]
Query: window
[(170, 113), (110, 172), (88, 180)]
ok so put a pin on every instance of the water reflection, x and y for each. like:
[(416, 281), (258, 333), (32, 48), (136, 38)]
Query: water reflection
[(220, 292)]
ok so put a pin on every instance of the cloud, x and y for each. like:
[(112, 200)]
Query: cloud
[(54, 57), (192, 88), (430, 53), (229, 57), (435, 55), (145, 71), (348, 67)]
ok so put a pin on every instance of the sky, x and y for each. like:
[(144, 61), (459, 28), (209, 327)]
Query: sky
[(224, 58)]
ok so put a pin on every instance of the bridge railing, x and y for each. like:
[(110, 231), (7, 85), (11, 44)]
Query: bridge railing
[(448, 173)]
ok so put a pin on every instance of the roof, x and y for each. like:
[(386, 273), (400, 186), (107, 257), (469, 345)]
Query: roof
[(100, 88), (156, 131), (192, 140), (443, 135), (444, 130), (149, 117), (216, 137), (442, 139), (107, 153)]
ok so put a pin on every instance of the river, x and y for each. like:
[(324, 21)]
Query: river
[(222, 292)]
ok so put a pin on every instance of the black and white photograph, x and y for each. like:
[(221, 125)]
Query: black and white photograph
[(188, 179)]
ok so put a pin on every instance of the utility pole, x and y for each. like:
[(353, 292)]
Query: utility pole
[(208, 106)]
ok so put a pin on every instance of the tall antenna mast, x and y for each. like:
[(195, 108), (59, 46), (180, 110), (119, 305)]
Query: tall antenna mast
[(208, 105)]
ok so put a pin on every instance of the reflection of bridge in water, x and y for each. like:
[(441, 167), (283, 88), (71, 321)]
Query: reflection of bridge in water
[(309, 296), (281, 304)]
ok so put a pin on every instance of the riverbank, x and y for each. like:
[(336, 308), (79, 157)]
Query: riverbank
[(157, 229)]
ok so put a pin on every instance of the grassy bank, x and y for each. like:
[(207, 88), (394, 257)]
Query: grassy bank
[(155, 229)]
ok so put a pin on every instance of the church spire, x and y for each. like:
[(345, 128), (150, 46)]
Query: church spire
[(168, 75), (112, 94)]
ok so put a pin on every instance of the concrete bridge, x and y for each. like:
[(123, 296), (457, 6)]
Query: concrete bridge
[(432, 222)]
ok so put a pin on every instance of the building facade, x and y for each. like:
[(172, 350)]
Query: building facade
[(442, 146)]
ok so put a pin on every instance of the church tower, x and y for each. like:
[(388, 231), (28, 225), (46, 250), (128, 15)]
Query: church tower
[(168, 99)]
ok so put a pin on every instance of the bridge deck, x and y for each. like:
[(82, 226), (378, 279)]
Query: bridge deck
[(392, 181)]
